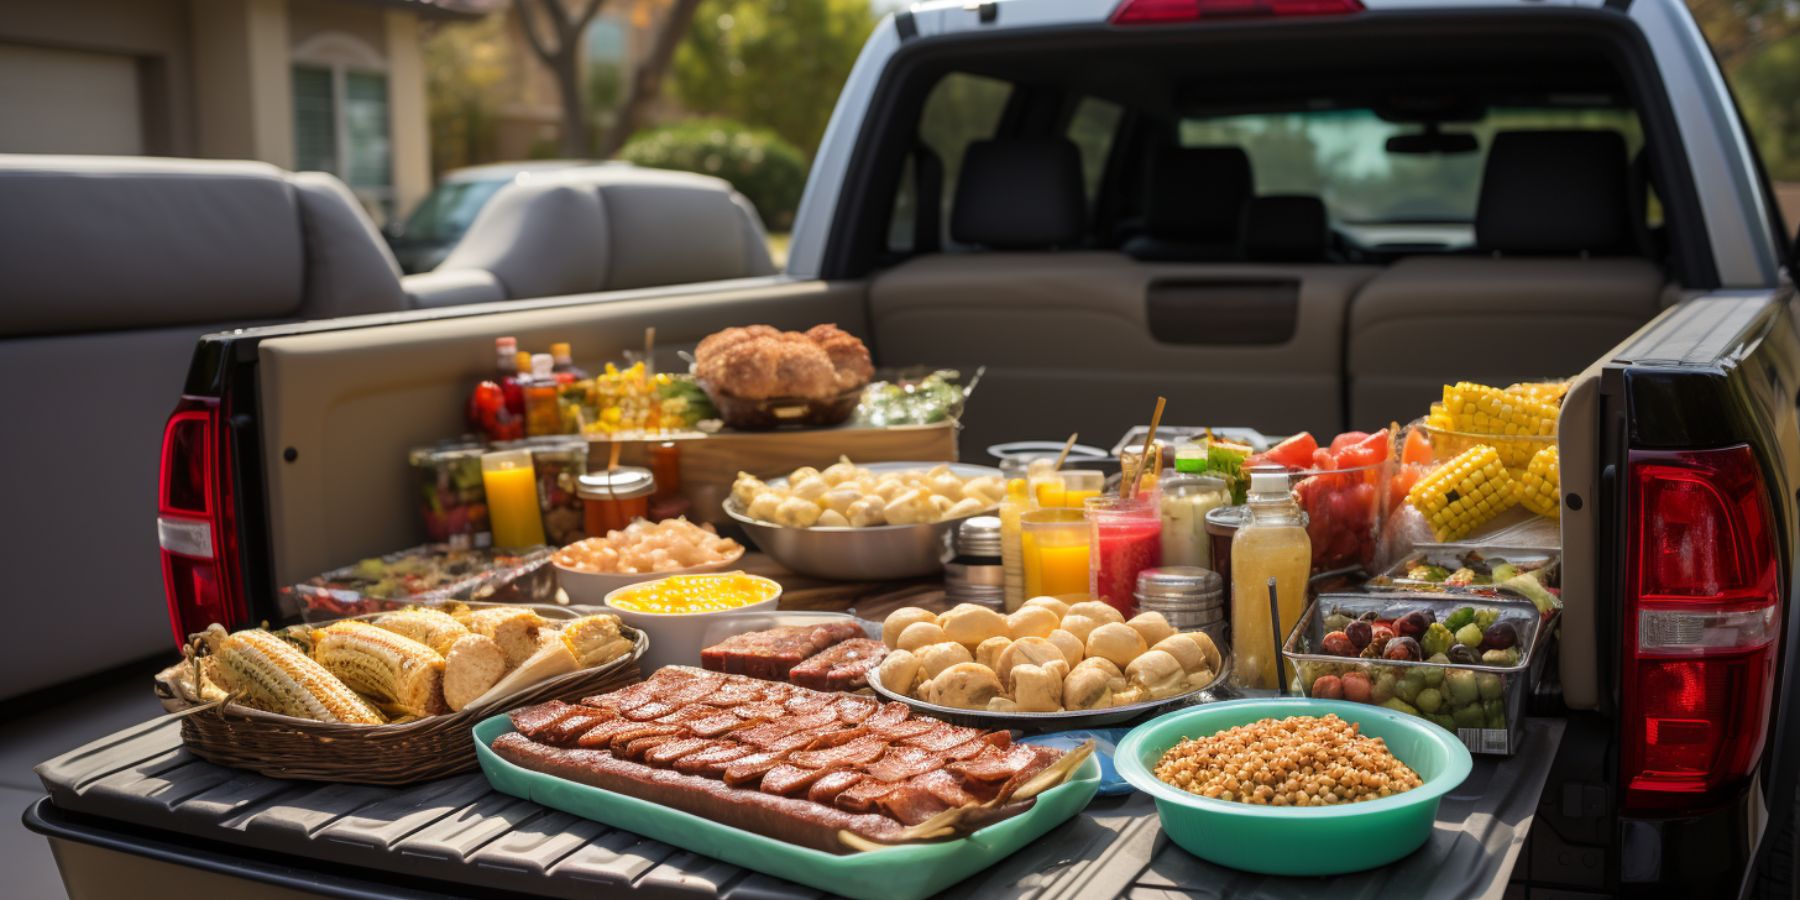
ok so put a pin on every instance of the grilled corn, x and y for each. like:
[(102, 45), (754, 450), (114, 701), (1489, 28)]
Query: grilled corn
[(270, 674), (1464, 493), (386, 667), (595, 639), (433, 628), (1497, 415), (1540, 487)]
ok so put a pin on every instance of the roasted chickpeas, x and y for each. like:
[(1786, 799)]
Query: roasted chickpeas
[(1296, 761)]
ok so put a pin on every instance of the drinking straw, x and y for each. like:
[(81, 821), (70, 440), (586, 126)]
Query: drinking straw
[(1149, 441), (650, 351), (1064, 455), (1275, 638)]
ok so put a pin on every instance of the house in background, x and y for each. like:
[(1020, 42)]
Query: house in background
[(330, 85)]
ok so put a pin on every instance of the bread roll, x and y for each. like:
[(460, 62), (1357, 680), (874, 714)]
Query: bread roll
[(1152, 626), (1096, 610), (1050, 603), (969, 624), (935, 658), (920, 634), (1072, 647), (1032, 621), (1117, 642), (897, 621)]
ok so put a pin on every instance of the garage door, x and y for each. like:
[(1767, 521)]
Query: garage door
[(68, 101)]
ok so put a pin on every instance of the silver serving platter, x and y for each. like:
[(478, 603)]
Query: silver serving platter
[(1053, 721), (875, 553)]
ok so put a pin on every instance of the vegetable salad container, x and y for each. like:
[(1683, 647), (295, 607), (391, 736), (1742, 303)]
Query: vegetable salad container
[(1481, 700)]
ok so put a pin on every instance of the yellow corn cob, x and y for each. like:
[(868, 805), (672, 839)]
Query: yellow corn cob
[(1498, 415), (1464, 493), (386, 667), (595, 639), (433, 628), (1540, 488), (1551, 392), (271, 674)]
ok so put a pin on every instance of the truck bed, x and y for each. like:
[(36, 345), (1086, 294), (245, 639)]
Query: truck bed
[(139, 792)]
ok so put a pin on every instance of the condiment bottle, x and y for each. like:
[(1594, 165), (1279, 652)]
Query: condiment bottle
[(514, 381), (1273, 544), (563, 364), (974, 573), (1012, 554), (542, 413), (1190, 457), (667, 501), (1186, 499)]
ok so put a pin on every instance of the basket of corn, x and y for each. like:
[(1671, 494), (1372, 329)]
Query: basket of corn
[(386, 698)]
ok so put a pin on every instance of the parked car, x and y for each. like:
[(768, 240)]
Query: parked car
[(1102, 200), (431, 230)]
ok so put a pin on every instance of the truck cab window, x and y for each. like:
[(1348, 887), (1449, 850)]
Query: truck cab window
[(1092, 126), (960, 110)]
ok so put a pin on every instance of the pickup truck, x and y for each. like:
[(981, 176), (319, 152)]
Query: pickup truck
[(1281, 214)]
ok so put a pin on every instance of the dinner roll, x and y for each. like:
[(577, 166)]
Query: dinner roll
[(935, 658), (1152, 626), (1050, 603), (1116, 641), (969, 624), (988, 652), (920, 634), (1035, 651), (899, 672), (1032, 621), (1072, 647), (1096, 610), (897, 621)]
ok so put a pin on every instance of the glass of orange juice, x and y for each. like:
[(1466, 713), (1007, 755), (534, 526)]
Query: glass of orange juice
[(512, 498), (1055, 545)]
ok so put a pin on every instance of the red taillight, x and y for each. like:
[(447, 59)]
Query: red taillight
[(1150, 12), (196, 521), (1702, 622)]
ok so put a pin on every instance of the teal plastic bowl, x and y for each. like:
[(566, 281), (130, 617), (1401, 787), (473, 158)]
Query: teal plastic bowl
[(1281, 840)]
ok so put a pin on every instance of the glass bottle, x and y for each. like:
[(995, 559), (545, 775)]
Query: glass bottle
[(564, 364), (542, 413), (1273, 544)]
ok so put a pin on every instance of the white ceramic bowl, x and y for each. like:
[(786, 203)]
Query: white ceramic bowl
[(676, 639), (591, 588)]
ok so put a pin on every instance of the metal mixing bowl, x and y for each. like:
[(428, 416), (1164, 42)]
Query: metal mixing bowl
[(876, 553)]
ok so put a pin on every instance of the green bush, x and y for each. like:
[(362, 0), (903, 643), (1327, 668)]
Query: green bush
[(758, 163)]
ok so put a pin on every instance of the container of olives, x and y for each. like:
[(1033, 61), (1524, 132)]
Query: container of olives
[(1464, 663)]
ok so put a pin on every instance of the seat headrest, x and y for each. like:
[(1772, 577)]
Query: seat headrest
[(1550, 193), (1019, 195), (1286, 228), (89, 243), (1198, 193)]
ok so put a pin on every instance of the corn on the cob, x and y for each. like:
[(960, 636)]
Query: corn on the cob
[(1540, 488), (1464, 493), (386, 667), (514, 628), (1497, 415), (270, 674), (1551, 392), (433, 628), (595, 639)]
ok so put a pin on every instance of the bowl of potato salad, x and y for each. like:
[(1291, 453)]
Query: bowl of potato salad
[(878, 522)]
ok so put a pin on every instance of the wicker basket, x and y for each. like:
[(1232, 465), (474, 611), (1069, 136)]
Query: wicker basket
[(433, 747)]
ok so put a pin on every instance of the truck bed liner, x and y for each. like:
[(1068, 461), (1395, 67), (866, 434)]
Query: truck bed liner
[(458, 832)]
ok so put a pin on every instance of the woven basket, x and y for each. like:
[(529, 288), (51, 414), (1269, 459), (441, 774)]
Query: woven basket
[(433, 747)]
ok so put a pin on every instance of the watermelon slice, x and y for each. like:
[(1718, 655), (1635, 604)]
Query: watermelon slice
[(1294, 453), (1346, 439)]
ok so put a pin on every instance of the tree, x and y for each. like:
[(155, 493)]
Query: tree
[(647, 79), (560, 52), (775, 64), (465, 66), (1739, 29)]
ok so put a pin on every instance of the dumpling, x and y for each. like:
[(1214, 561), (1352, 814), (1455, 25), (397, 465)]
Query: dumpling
[(899, 672), (1116, 642), (1034, 651), (897, 621), (866, 513), (935, 658), (1085, 688), (969, 624), (810, 489), (920, 634), (1038, 688), (1072, 647), (764, 506), (1158, 674), (1152, 626), (965, 686), (831, 518), (1031, 621), (988, 652), (797, 513)]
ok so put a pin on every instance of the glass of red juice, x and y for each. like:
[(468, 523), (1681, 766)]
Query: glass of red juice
[(1126, 539)]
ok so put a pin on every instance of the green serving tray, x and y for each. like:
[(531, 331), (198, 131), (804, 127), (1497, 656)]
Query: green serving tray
[(899, 873)]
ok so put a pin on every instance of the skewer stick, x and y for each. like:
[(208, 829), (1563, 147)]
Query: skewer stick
[(1275, 638), (1144, 458), (612, 454), (650, 350), (1063, 457)]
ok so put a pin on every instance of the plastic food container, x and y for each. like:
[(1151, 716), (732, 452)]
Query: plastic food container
[(431, 573), (611, 499), (1483, 560), (1283, 840), (676, 639), (1344, 512), (1515, 451), (1505, 687), (452, 500)]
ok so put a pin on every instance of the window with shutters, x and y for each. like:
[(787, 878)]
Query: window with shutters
[(341, 122)]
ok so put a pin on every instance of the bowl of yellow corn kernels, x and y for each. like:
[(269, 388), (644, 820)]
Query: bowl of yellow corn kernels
[(675, 611)]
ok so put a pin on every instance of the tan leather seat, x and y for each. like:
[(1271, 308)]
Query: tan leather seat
[(1557, 284), (1085, 340)]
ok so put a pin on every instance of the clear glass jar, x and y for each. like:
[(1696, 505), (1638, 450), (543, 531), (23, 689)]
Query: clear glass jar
[(1055, 544), (1125, 539), (1185, 501)]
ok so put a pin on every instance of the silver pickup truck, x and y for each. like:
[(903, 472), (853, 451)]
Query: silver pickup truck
[(1285, 214)]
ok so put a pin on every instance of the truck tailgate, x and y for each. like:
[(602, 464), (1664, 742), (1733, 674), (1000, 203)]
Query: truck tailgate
[(457, 833)]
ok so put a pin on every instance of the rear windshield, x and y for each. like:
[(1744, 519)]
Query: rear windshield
[(1342, 156), (449, 209)]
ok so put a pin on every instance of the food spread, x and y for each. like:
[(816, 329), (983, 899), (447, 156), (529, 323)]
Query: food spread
[(684, 594)]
